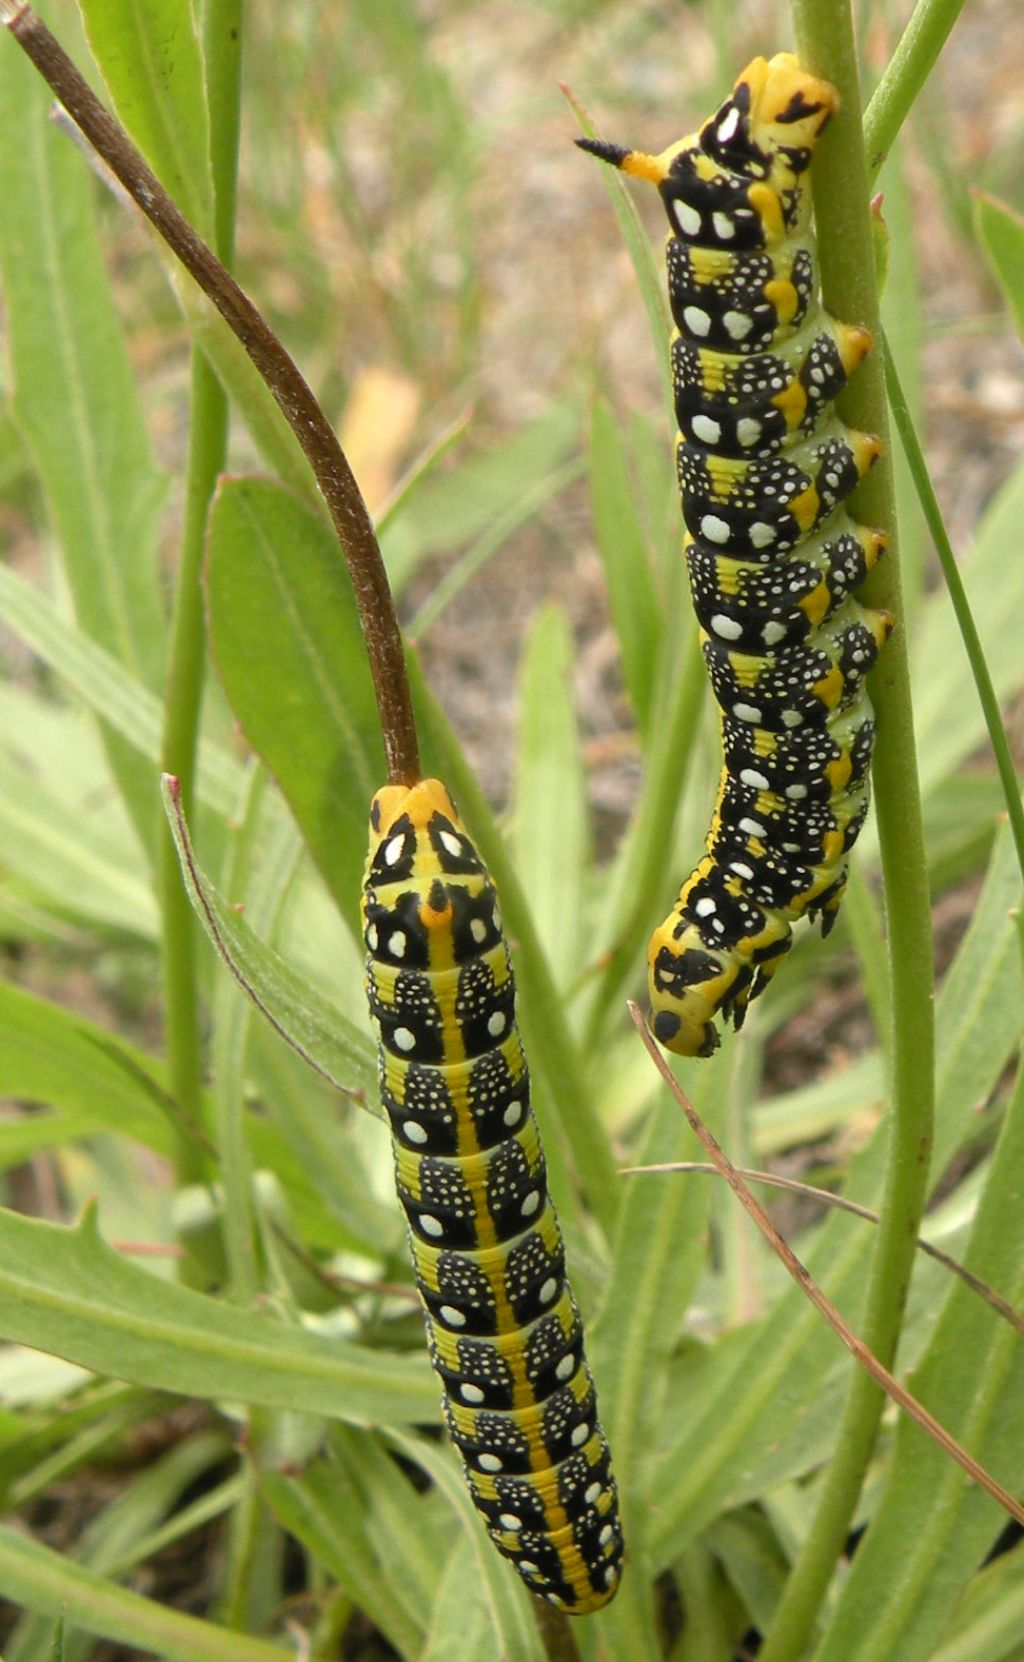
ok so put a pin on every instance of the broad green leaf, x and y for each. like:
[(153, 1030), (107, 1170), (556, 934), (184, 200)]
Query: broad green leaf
[(1001, 234), (67, 1292), (286, 638), (550, 832), (40, 1579), (75, 399), (636, 610), (342, 1053), (150, 58), (933, 1528)]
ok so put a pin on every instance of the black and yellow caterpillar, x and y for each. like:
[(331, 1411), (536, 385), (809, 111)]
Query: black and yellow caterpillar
[(764, 466), (504, 1332)]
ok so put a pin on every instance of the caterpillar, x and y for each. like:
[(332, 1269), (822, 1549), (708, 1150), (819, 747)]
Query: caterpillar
[(503, 1329), (764, 466)]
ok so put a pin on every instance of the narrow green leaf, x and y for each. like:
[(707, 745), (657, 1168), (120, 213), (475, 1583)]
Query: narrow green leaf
[(76, 850), (1000, 232), (503, 1594), (150, 58), (39, 1579), (65, 1291), (338, 1050), (55, 1058), (636, 611), (75, 399), (638, 246), (452, 509), (459, 1627), (550, 832), (108, 689), (286, 638), (325, 1510), (932, 1528), (988, 1623), (948, 717)]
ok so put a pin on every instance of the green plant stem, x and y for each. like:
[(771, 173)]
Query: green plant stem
[(961, 605), (908, 69), (825, 43), (208, 438)]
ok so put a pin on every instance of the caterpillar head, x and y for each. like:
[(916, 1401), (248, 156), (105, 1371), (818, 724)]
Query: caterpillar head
[(736, 183)]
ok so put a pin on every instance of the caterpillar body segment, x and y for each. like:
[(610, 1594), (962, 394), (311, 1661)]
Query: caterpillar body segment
[(503, 1329), (764, 468)]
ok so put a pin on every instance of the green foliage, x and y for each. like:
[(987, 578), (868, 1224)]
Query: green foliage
[(412, 205)]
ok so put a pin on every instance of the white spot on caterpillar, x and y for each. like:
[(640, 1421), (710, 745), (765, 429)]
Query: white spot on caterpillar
[(451, 1316), (528, 1567), (726, 627), (509, 1521), (724, 227), (478, 930), (405, 1038), (611, 1576), (796, 793), (489, 1463), (753, 828), (566, 1367), (687, 218), (548, 1290), (697, 320), (747, 712), (397, 943), (415, 1132), (761, 535), (748, 431), (605, 1535), (497, 1023), (513, 1113), (431, 1225), (451, 842), (705, 429), (773, 632), (746, 872), (372, 937), (737, 325), (393, 850), (705, 907), (728, 126), (715, 529), (580, 1435), (749, 776), (593, 1494), (792, 718), (471, 1393), (530, 1204)]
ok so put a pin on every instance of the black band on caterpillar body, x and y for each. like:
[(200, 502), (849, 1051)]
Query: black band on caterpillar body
[(764, 467), (503, 1329)]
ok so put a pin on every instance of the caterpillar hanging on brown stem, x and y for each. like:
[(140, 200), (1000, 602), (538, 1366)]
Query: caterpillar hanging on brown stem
[(504, 1332), (764, 466)]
